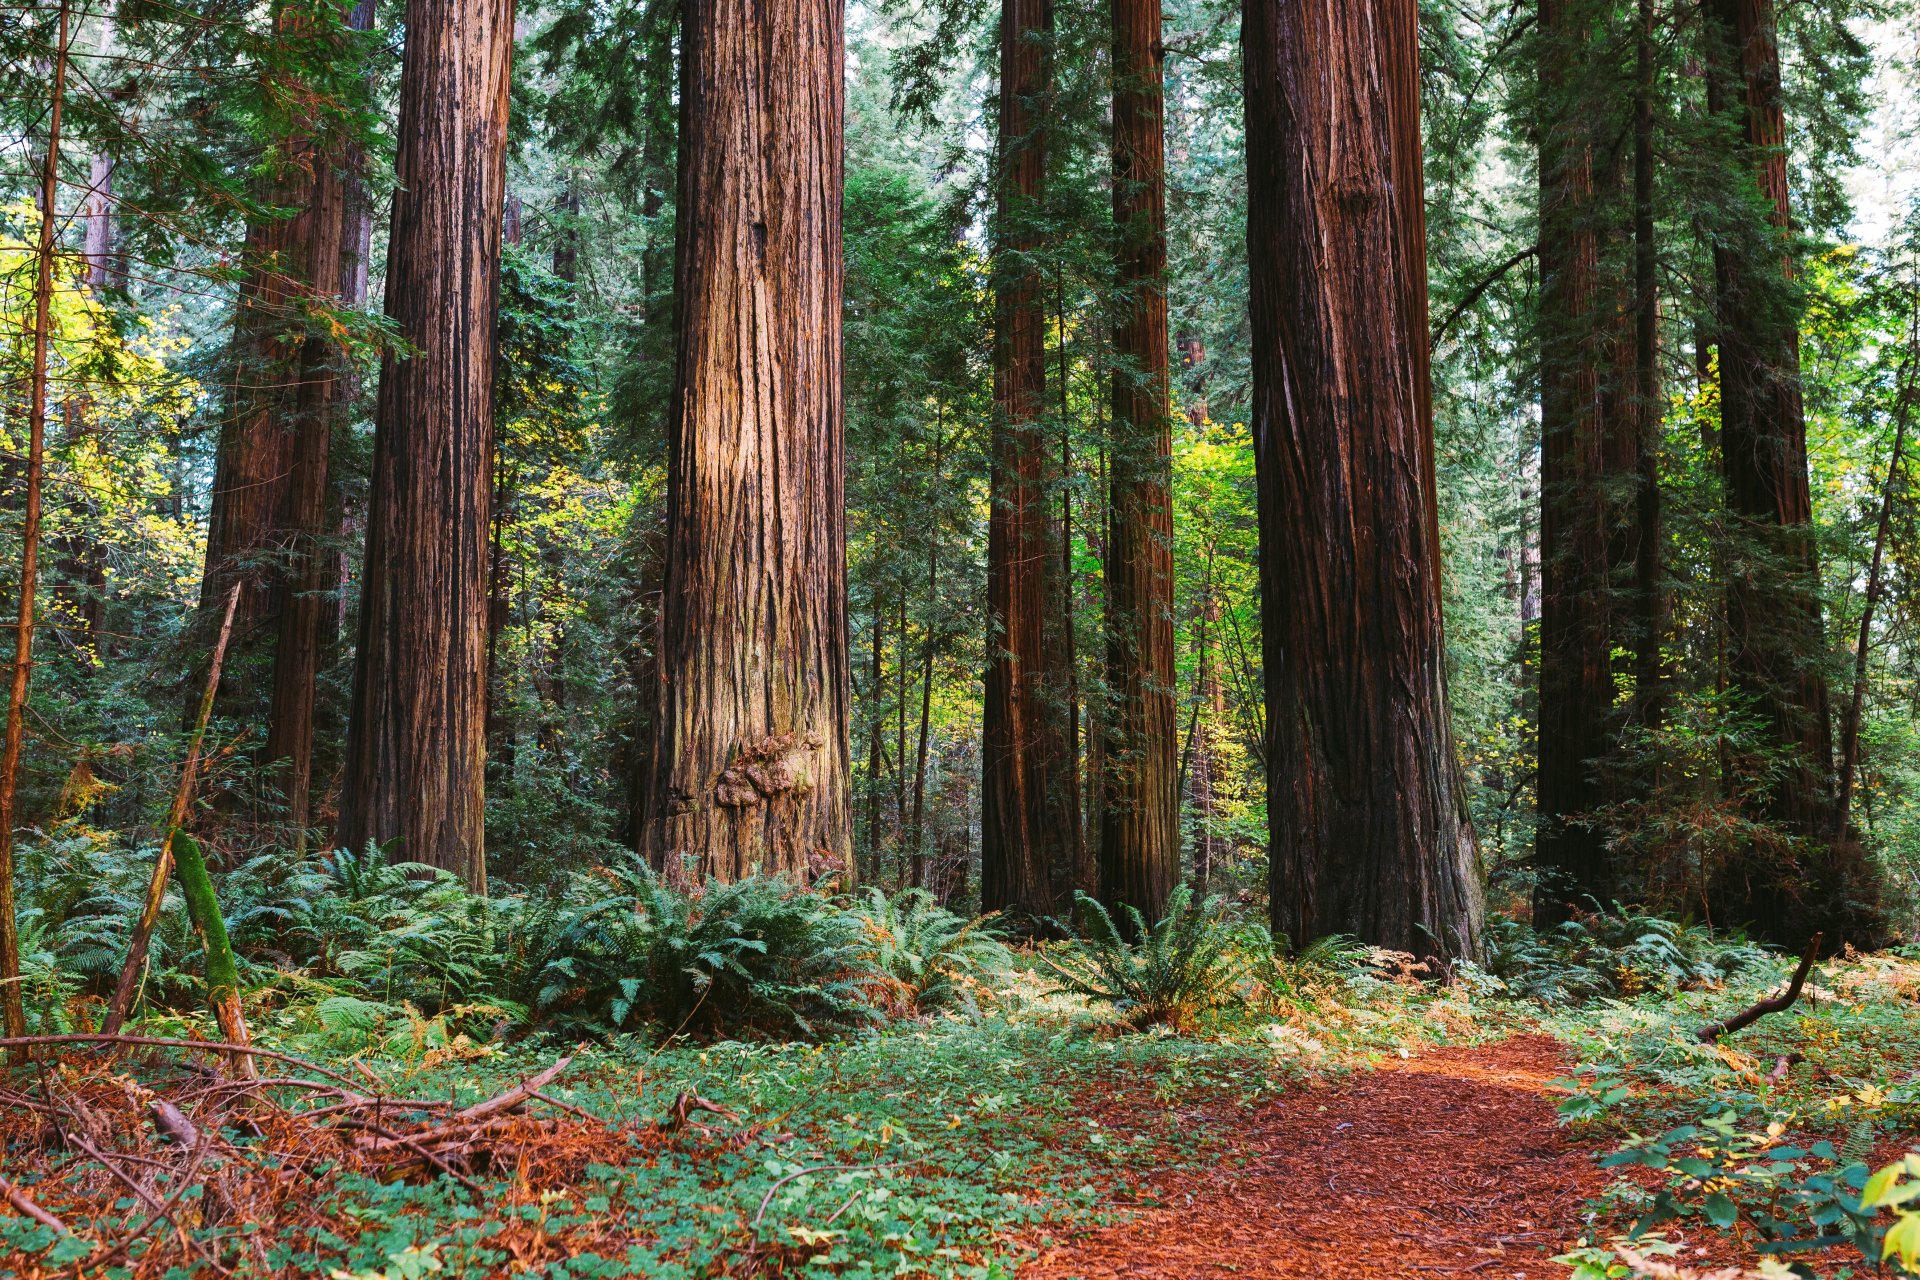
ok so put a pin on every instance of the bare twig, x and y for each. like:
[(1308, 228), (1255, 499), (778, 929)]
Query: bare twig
[(166, 1042), (1772, 1004)]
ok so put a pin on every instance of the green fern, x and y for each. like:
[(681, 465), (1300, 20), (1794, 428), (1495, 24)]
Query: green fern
[(1185, 964)]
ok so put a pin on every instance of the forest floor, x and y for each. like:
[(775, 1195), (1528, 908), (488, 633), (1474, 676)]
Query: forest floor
[(1375, 1128), (1448, 1163)]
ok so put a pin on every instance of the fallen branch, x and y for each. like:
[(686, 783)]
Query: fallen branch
[(25, 1203), (1771, 1004), (168, 1042), (149, 917), (512, 1098)]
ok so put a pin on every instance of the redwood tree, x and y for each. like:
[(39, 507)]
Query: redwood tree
[(1368, 826), (1029, 819), (1589, 461), (416, 742), (750, 767), (1775, 632), (1140, 828)]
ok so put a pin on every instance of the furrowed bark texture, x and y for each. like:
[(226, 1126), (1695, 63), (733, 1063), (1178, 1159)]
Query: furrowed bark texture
[(307, 582), (1775, 631), (1368, 823), (1028, 819), (751, 739), (416, 742), (336, 261), (1140, 829), (1588, 458)]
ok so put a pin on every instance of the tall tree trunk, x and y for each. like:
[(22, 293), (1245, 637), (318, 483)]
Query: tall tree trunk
[(916, 841), (1863, 645), (416, 742), (658, 147), (1775, 630), (751, 742), (1366, 803), (1140, 828), (566, 233), (12, 1006), (1650, 629), (1209, 713), (306, 598), (1028, 815), (1582, 417), (876, 739)]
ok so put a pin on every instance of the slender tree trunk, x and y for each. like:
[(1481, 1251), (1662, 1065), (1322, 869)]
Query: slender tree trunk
[(1580, 416), (566, 235), (416, 742), (1856, 703), (1369, 830), (1028, 814), (917, 840), (1140, 835), (12, 1005), (876, 741), (1775, 629), (751, 744), (1209, 711), (1650, 630)]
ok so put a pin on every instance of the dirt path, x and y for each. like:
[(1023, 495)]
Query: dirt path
[(1446, 1165)]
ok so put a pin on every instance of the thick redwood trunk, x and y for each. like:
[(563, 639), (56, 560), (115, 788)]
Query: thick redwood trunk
[(1365, 798), (306, 599), (751, 751), (416, 744), (1587, 432), (1140, 828), (1775, 631), (1029, 818)]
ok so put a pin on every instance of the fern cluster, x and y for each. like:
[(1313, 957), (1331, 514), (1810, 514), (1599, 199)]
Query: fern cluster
[(1167, 974), (359, 950), (1613, 954)]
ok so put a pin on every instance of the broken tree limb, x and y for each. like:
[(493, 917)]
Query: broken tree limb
[(26, 1204), (223, 976), (123, 991), (513, 1097), (1771, 1004)]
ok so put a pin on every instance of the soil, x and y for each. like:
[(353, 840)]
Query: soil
[(1447, 1164)]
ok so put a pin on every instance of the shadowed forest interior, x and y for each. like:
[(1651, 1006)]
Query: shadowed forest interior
[(980, 602)]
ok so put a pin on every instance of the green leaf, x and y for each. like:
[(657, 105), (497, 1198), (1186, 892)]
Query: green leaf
[(1720, 1211)]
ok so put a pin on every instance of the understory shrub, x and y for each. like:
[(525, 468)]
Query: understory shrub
[(1613, 954), (361, 951), (1169, 974)]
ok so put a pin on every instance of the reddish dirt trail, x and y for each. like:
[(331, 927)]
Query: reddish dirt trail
[(1446, 1165)]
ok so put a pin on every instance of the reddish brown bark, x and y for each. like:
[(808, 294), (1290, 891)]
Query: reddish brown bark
[(1369, 833), (307, 576), (751, 738), (1140, 828), (416, 742), (1029, 820)]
